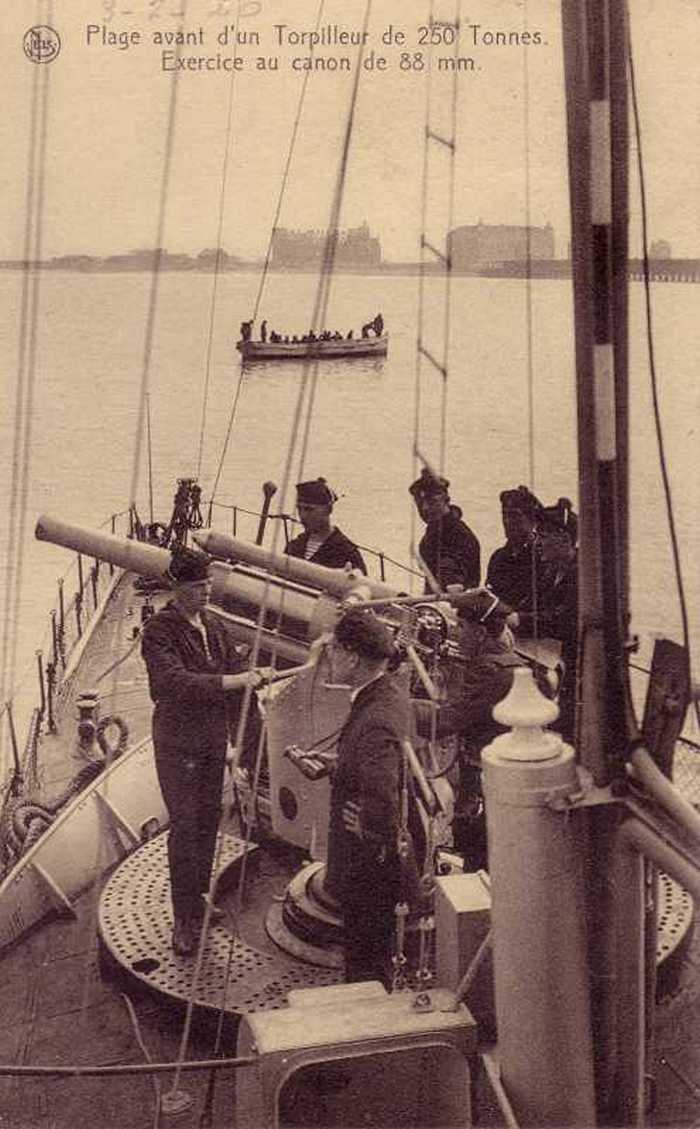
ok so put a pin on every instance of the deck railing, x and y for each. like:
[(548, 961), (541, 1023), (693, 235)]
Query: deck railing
[(240, 522), (31, 710)]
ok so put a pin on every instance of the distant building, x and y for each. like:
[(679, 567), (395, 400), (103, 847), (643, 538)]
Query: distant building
[(355, 247), (660, 249), (483, 245), (72, 262)]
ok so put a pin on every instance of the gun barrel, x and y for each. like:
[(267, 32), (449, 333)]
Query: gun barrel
[(146, 560), (299, 612), (334, 581)]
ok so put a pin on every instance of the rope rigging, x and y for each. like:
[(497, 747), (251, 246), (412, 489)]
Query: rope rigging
[(653, 378), (219, 249), (433, 136), (319, 311), (26, 369), (154, 292), (268, 252)]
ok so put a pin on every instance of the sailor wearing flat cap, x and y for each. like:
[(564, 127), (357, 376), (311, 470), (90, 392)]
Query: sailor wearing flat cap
[(514, 567), (448, 548), (322, 542), (197, 675), (363, 870)]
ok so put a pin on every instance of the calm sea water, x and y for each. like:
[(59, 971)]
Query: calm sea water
[(89, 361)]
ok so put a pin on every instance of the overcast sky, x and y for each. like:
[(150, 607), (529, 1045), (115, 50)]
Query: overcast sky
[(108, 110)]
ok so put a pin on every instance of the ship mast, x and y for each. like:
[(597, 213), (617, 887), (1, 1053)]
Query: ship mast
[(595, 53), (594, 56)]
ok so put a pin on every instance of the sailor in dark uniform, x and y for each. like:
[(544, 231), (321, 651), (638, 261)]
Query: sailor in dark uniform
[(322, 542), (476, 684), (363, 869), (513, 570), (449, 548), (556, 615), (196, 676)]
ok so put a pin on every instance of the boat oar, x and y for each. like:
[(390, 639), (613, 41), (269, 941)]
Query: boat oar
[(269, 489)]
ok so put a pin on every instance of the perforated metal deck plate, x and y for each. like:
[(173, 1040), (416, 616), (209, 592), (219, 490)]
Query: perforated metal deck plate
[(674, 917), (135, 923)]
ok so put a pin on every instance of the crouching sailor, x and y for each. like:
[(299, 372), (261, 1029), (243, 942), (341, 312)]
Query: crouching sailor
[(477, 684), (196, 679), (364, 869)]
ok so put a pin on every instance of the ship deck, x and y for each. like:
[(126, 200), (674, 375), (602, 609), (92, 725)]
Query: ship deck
[(63, 1005)]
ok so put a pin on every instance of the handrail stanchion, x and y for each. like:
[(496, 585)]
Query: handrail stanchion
[(54, 637), (78, 611), (42, 688), (62, 622), (50, 685), (94, 572), (16, 782)]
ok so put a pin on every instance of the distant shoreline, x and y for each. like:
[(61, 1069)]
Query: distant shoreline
[(661, 270)]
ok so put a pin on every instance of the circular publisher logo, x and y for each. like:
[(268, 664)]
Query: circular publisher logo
[(41, 44)]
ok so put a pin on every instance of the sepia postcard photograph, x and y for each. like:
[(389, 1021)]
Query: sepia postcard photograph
[(350, 707)]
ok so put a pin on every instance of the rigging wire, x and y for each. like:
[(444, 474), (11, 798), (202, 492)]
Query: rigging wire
[(450, 227), (257, 642), (450, 143), (653, 378), (219, 249), (268, 253), (529, 335), (26, 366), (285, 174), (146, 1054), (528, 264), (156, 270), (415, 454), (331, 242), (150, 456)]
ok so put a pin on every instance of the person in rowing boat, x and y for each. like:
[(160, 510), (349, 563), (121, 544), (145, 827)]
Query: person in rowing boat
[(364, 870), (246, 330), (197, 676), (449, 549), (376, 325), (263, 331), (514, 569), (322, 542)]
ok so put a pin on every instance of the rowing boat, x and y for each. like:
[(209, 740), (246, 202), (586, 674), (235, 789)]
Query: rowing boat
[(313, 350)]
